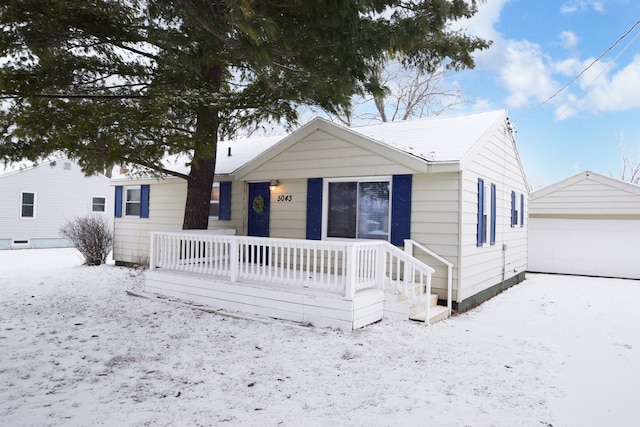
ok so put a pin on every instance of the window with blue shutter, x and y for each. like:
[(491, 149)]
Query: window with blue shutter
[(481, 225), (521, 210), (492, 238), (131, 201), (400, 209), (314, 209)]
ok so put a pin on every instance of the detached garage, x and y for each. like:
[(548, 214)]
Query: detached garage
[(589, 225)]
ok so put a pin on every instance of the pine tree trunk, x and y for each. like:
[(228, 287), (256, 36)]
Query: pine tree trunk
[(200, 181)]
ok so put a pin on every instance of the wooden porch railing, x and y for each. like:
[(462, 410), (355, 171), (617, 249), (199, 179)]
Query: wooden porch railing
[(408, 248), (338, 267)]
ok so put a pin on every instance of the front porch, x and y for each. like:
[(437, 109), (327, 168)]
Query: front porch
[(344, 285)]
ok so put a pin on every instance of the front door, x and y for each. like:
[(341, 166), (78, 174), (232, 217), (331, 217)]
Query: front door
[(259, 203)]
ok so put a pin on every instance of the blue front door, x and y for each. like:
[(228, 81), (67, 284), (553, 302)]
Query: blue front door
[(259, 204)]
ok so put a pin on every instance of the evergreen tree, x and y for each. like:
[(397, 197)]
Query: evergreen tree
[(131, 81)]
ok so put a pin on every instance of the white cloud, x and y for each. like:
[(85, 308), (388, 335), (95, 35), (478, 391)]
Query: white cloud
[(568, 39), (618, 91), (525, 73), (602, 90), (483, 25), (581, 6)]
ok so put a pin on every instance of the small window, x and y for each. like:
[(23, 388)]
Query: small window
[(521, 210), (28, 205), (98, 204), (358, 209), (132, 202), (214, 204)]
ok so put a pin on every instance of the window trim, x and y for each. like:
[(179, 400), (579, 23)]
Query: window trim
[(125, 200), (22, 204), (93, 204), (358, 180), (211, 201)]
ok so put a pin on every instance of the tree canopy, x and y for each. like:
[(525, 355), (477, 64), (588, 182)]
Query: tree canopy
[(129, 82)]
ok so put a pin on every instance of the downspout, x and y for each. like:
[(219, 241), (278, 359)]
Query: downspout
[(460, 216), (504, 172)]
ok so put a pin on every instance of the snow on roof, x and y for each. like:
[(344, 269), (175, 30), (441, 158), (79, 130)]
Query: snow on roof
[(231, 155), (12, 168), (435, 139)]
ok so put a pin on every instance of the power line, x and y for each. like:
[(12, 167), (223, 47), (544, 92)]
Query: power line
[(581, 72)]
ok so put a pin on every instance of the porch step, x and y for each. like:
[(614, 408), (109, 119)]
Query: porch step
[(433, 299), (437, 313), (399, 307)]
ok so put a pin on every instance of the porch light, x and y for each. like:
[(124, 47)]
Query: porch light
[(274, 183)]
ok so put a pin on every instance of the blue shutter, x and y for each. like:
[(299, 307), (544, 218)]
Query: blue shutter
[(225, 201), (118, 202), (514, 220), (492, 238), (521, 210), (144, 201), (400, 209), (479, 237), (314, 209)]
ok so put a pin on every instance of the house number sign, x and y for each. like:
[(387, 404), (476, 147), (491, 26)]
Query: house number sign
[(285, 197)]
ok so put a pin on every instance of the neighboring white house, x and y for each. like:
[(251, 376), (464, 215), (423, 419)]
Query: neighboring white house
[(452, 184), (38, 200), (588, 224)]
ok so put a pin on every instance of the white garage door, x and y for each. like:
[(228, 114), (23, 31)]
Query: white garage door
[(592, 247)]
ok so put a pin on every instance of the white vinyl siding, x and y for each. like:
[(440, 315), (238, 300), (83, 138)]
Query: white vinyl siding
[(60, 195), (435, 223), (483, 267), (167, 200), (321, 155)]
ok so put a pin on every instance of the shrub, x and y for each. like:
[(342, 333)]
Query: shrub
[(92, 237)]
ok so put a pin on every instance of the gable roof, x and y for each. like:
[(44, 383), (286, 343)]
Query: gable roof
[(26, 166), (435, 139), (417, 143), (583, 177)]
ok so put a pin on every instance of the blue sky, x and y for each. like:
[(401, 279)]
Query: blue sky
[(538, 47)]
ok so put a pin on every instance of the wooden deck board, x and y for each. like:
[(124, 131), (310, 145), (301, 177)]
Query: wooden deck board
[(295, 304)]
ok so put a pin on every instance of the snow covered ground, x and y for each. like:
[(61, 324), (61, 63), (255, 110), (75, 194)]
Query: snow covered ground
[(77, 350)]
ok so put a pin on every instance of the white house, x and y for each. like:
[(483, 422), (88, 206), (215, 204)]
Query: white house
[(588, 224), (450, 190), (38, 200)]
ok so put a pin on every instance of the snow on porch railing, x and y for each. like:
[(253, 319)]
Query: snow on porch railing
[(330, 266)]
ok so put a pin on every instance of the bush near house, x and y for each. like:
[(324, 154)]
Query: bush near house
[(92, 236)]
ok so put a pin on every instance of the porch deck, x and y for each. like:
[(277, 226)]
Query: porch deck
[(344, 285)]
